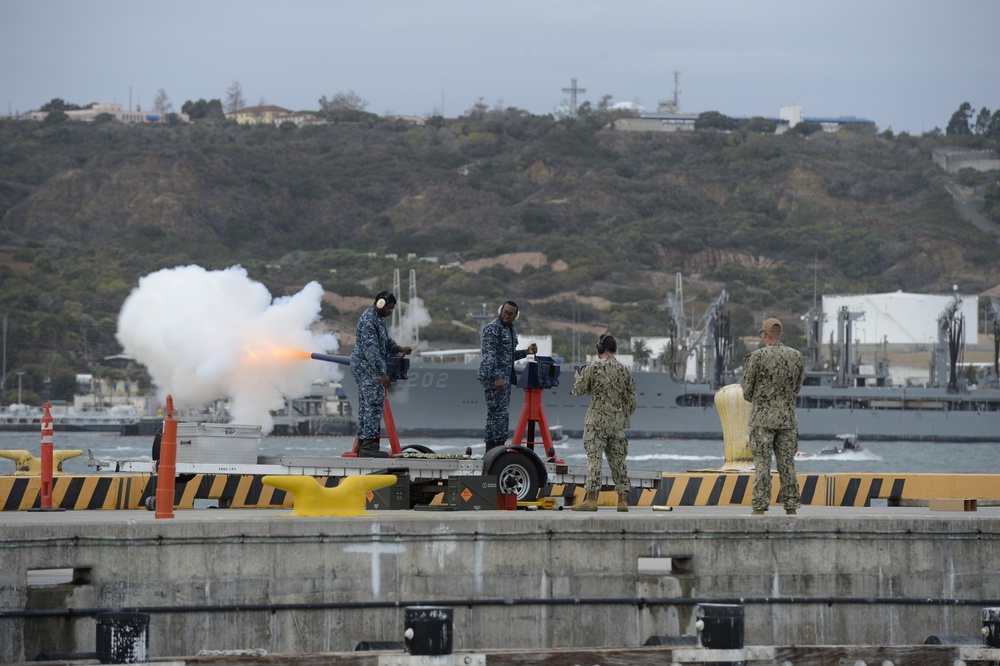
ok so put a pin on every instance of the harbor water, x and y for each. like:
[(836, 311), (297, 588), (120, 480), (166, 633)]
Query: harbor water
[(667, 455)]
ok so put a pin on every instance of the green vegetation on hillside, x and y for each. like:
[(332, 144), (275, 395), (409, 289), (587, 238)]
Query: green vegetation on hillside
[(87, 209)]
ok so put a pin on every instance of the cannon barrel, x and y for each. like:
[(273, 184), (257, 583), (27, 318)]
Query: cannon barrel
[(330, 358), (396, 366)]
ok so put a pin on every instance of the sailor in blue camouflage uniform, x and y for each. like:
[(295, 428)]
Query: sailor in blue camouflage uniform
[(772, 377), (496, 371), (371, 348), (612, 402)]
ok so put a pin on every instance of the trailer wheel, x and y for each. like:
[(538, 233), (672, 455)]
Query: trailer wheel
[(516, 475), (416, 448)]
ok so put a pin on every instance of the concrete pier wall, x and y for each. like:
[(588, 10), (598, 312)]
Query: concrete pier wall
[(227, 580)]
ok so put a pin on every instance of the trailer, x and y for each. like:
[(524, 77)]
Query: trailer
[(207, 469)]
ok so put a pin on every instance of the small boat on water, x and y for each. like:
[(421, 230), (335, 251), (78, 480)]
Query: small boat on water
[(848, 444), (558, 435)]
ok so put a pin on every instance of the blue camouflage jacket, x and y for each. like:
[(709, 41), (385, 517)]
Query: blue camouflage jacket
[(373, 344), (499, 353)]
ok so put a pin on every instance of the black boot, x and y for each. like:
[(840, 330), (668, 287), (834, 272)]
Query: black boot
[(368, 448), (492, 444)]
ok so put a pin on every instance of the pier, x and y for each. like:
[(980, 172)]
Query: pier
[(259, 579)]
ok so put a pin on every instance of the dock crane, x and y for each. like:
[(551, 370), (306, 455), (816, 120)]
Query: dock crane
[(710, 343)]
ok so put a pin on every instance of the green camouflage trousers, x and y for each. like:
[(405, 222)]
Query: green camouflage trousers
[(782, 444), (614, 445)]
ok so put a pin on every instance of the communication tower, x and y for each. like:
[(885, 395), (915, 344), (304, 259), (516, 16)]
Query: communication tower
[(673, 107)]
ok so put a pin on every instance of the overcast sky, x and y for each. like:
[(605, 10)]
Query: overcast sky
[(905, 64)]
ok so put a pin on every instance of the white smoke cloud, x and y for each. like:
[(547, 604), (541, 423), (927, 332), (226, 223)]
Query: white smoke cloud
[(413, 316), (209, 335)]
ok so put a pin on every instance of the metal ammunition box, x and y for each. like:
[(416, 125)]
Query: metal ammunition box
[(390, 498), (472, 493)]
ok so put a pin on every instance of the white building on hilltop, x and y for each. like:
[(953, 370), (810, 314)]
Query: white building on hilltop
[(787, 118), (116, 111)]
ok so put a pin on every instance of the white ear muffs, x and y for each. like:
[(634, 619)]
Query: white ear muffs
[(500, 312), (379, 304)]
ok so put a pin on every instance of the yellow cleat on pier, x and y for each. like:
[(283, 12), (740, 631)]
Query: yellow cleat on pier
[(26, 464), (309, 498)]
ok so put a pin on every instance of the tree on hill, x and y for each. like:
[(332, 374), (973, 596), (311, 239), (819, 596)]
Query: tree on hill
[(345, 107), (202, 109), (162, 103), (56, 110), (715, 121), (56, 116), (959, 123), (343, 101), (234, 97), (608, 114), (478, 111), (807, 128), (993, 127), (56, 104), (759, 125), (982, 121)]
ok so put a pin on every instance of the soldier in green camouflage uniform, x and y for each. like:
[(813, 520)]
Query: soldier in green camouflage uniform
[(772, 377), (612, 403)]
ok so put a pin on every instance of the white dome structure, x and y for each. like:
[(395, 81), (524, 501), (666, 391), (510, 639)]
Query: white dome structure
[(627, 106)]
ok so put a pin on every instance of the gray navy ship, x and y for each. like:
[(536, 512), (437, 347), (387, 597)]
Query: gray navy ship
[(840, 395)]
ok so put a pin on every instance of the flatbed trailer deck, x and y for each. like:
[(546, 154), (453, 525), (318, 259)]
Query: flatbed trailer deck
[(518, 469)]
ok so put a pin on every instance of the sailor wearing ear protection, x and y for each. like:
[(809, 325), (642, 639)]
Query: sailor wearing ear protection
[(372, 346), (496, 371)]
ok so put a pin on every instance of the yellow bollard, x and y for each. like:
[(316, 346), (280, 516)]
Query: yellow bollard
[(309, 498), (27, 464), (734, 412)]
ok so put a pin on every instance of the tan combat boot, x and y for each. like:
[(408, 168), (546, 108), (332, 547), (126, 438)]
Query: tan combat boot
[(589, 504), (623, 502)]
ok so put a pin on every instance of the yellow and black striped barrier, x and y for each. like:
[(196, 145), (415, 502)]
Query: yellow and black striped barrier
[(130, 491), (842, 489), (246, 491)]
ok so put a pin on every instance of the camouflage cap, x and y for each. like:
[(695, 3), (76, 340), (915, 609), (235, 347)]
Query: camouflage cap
[(771, 325)]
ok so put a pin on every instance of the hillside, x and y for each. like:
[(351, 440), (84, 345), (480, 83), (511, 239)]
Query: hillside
[(586, 227)]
